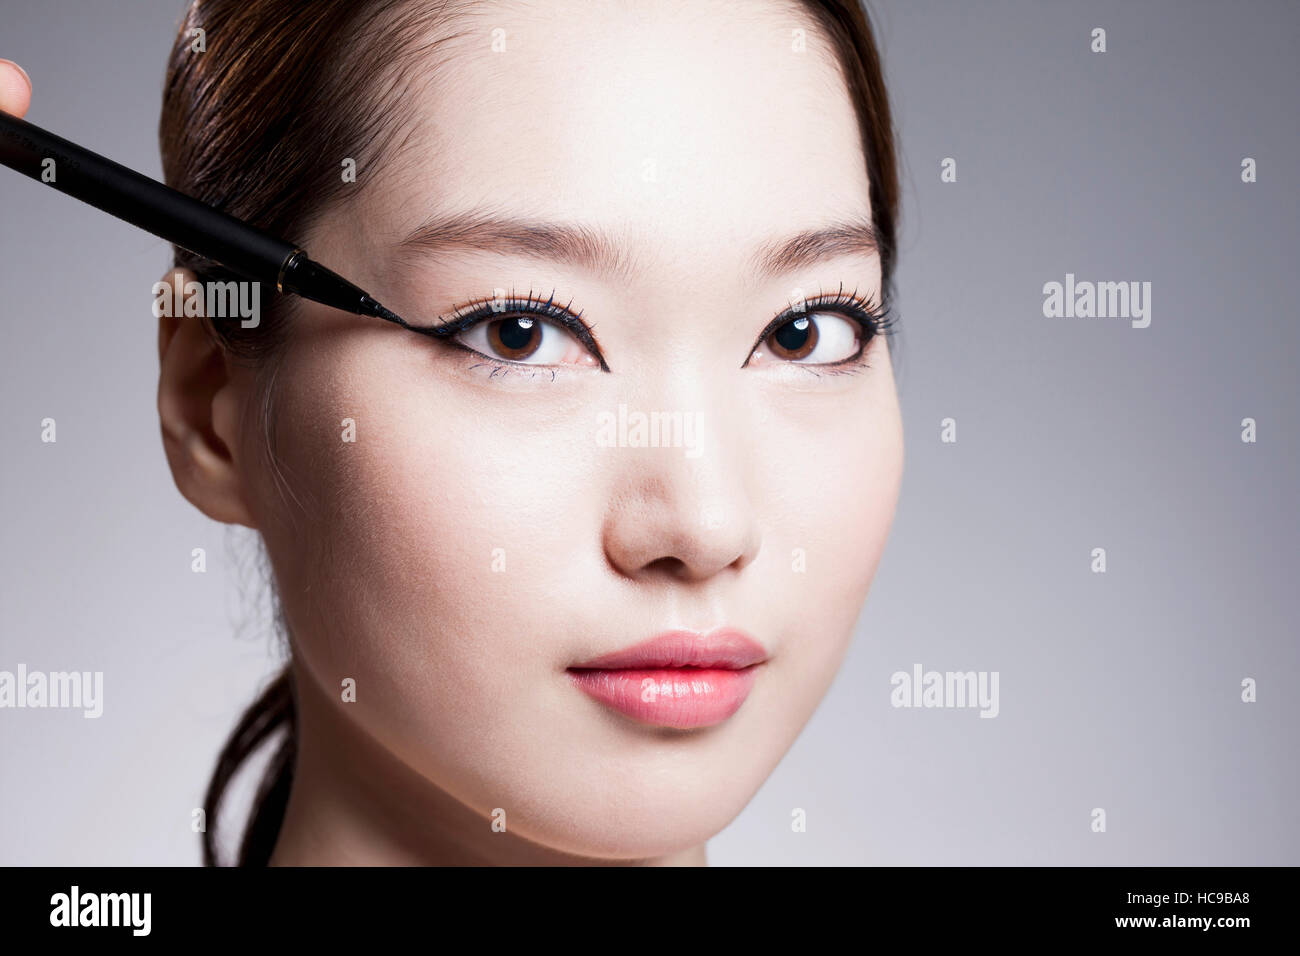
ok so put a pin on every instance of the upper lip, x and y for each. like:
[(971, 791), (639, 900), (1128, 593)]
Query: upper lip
[(724, 648)]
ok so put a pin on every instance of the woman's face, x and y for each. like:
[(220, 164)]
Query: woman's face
[(492, 524)]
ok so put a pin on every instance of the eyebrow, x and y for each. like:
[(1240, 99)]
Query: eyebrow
[(602, 251)]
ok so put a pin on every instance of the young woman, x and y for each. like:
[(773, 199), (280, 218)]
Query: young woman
[(563, 582)]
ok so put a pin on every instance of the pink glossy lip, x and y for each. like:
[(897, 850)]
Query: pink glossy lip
[(679, 679)]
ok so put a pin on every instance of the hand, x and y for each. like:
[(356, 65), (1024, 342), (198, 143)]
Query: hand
[(15, 88)]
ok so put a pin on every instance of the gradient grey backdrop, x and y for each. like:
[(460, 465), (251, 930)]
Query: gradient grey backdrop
[(1118, 690)]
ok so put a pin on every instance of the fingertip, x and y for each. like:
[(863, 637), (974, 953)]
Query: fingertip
[(15, 88)]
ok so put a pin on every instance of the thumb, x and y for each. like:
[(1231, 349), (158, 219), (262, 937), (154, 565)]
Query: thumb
[(15, 88)]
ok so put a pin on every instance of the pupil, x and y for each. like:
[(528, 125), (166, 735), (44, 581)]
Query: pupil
[(794, 335), (515, 334)]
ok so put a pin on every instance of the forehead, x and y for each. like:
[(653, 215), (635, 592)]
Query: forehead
[(685, 125)]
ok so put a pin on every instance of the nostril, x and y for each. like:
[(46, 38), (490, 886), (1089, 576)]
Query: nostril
[(669, 566)]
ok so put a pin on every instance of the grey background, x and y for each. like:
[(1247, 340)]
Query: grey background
[(1119, 691)]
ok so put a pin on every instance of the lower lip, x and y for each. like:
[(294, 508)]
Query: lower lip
[(680, 697)]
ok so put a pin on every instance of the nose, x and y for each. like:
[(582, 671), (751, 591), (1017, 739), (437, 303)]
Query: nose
[(682, 514)]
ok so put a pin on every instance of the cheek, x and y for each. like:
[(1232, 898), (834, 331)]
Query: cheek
[(831, 490), (859, 491), (831, 487), (435, 560)]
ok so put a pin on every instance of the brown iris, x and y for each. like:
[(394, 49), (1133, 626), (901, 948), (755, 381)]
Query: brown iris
[(515, 338), (796, 339)]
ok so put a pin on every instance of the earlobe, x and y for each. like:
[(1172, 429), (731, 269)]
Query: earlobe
[(196, 398)]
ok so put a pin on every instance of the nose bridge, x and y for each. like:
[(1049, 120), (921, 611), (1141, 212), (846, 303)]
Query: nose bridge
[(683, 507)]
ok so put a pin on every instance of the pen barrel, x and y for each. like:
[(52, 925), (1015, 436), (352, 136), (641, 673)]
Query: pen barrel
[(141, 201)]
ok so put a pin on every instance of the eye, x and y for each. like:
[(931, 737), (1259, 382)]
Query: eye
[(521, 331), (813, 338), (827, 330), (526, 340)]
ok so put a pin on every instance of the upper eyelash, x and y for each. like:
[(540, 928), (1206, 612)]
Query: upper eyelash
[(464, 316), (875, 318)]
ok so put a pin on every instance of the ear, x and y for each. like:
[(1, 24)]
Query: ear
[(199, 404)]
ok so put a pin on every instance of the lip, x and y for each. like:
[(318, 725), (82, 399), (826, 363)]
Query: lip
[(678, 679)]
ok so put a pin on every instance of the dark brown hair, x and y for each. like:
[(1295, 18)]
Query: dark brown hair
[(257, 123)]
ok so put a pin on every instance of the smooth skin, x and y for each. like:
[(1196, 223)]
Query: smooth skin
[(476, 539), (15, 88)]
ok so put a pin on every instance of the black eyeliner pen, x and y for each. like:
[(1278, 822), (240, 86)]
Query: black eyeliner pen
[(178, 218)]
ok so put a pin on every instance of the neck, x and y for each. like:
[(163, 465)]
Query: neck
[(355, 803)]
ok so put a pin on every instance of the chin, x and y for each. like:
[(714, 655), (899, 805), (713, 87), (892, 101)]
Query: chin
[(642, 828)]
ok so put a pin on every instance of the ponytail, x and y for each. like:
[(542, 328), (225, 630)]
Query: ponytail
[(273, 710)]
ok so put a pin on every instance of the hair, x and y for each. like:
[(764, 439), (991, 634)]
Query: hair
[(278, 85)]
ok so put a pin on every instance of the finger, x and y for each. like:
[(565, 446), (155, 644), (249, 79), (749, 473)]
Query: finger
[(15, 88)]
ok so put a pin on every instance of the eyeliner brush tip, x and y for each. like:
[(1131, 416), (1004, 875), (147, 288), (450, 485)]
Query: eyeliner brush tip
[(372, 307)]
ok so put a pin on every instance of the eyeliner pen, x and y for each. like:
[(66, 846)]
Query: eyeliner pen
[(178, 218)]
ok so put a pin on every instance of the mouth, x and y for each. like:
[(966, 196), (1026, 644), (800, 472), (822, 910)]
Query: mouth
[(680, 679)]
